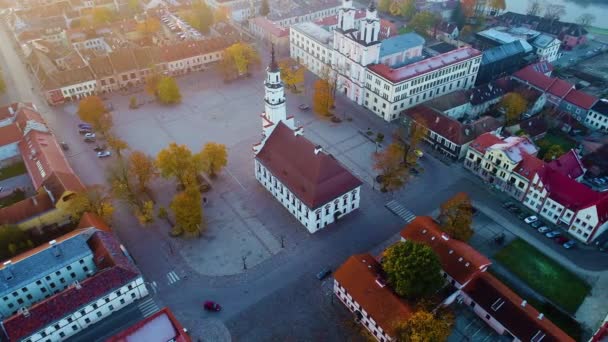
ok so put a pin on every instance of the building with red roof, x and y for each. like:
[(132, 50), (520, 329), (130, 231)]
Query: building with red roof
[(309, 182), (507, 313), (271, 33), (67, 285), (360, 285), (159, 327), (460, 262), (578, 104)]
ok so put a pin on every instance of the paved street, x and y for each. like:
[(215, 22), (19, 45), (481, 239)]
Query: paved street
[(240, 262)]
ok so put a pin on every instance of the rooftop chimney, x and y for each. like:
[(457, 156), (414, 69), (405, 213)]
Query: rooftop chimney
[(318, 149), (523, 303), (55, 248), (8, 274), (540, 316), (437, 120)]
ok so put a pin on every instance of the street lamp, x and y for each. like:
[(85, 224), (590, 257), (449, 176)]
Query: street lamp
[(244, 262)]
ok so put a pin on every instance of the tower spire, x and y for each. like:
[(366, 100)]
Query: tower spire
[(274, 67)]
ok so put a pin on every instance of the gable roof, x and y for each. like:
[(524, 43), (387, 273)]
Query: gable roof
[(535, 78), (89, 219), (9, 134), (580, 99), (516, 147), (314, 178), (520, 318), (461, 261), (568, 164), (424, 66), (528, 166), (448, 101), (114, 270), (484, 93), (534, 126), (359, 275), (565, 190), (560, 88), (26, 209), (484, 141), (159, 327), (449, 128)]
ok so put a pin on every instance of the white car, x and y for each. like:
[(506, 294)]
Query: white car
[(103, 154), (89, 135), (530, 219)]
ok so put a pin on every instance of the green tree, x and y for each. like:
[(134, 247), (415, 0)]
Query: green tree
[(213, 158), (456, 217), (408, 9), (95, 200), (264, 8), (2, 83), (413, 269), (423, 22), (458, 15), (13, 241), (200, 16), (188, 212), (554, 152), (384, 5), (168, 91), (178, 161), (423, 326)]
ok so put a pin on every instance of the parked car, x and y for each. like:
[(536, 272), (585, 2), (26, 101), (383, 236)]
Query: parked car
[(304, 106), (418, 153), (104, 154), (537, 224), (99, 148), (553, 234), (85, 130), (561, 240), (212, 306), (530, 219), (543, 229), (64, 146), (570, 244), (85, 125), (89, 137), (323, 274)]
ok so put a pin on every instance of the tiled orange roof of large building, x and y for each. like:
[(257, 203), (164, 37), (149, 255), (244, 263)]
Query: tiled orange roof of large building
[(9, 134), (461, 261), (358, 276), (160, 327), (28, 208), (520, 318)]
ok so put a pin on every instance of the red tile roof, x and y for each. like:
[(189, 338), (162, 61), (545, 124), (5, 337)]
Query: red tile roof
[(28, 208), (5, 111), (315, 179), (333, 19), (358, 276), (424, 66), (565, 190), (160, 327), (43, 148), (270, 27), (581, 99), (9, 134), (92, 220), (569, 164), (535, 78), (114, 270), (506, 307), (560, 88), (388, 29), (528, 166), (484, 141), (461, 261), (449, 128), (27, 114)]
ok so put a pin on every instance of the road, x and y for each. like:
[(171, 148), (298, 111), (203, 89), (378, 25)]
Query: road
[(286, 279)]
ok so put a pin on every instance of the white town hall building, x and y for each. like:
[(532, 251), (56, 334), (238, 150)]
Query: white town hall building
[(310, 183)]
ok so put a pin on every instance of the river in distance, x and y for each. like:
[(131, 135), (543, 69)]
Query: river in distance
[(574, 8)]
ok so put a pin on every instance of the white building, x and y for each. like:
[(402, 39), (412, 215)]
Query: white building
[(391, 90), (359, 284), (597, 118), (310, 183), (60, 288), (546, 47), (311, 46)]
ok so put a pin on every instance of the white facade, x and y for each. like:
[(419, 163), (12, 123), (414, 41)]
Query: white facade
[(550, 52), (366, 320), (313, 219), (97, 44), (96, 310), (308, 16), (596, 119), (79, 90), (387, 99), (311, 46)]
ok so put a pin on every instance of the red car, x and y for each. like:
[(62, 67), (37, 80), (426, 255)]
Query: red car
[(561, 240), (212, 306)]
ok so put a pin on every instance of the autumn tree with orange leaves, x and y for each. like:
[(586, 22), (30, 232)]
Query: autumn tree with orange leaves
[(391, 166), (323, 100), (456, 217)]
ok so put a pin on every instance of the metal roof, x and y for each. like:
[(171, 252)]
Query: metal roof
[(400, 43)]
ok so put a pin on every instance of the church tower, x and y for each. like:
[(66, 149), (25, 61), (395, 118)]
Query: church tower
[(346, 16), (274, 93), (370, 27)]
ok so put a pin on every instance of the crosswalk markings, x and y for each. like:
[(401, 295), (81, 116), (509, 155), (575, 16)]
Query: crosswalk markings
[(172, 277), (400, 211), (147, 307)]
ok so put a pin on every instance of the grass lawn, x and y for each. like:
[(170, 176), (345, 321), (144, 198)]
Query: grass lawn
[(554, 139), (568, 324), (597, 30), (12, 171), (544, 275), (12, 199)]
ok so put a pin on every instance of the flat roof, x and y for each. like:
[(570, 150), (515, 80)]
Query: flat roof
[(400, 43), (314, 31)]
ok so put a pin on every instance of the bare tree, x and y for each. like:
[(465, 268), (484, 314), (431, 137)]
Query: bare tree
[(554, 12), (585, 19), (535, 7)]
